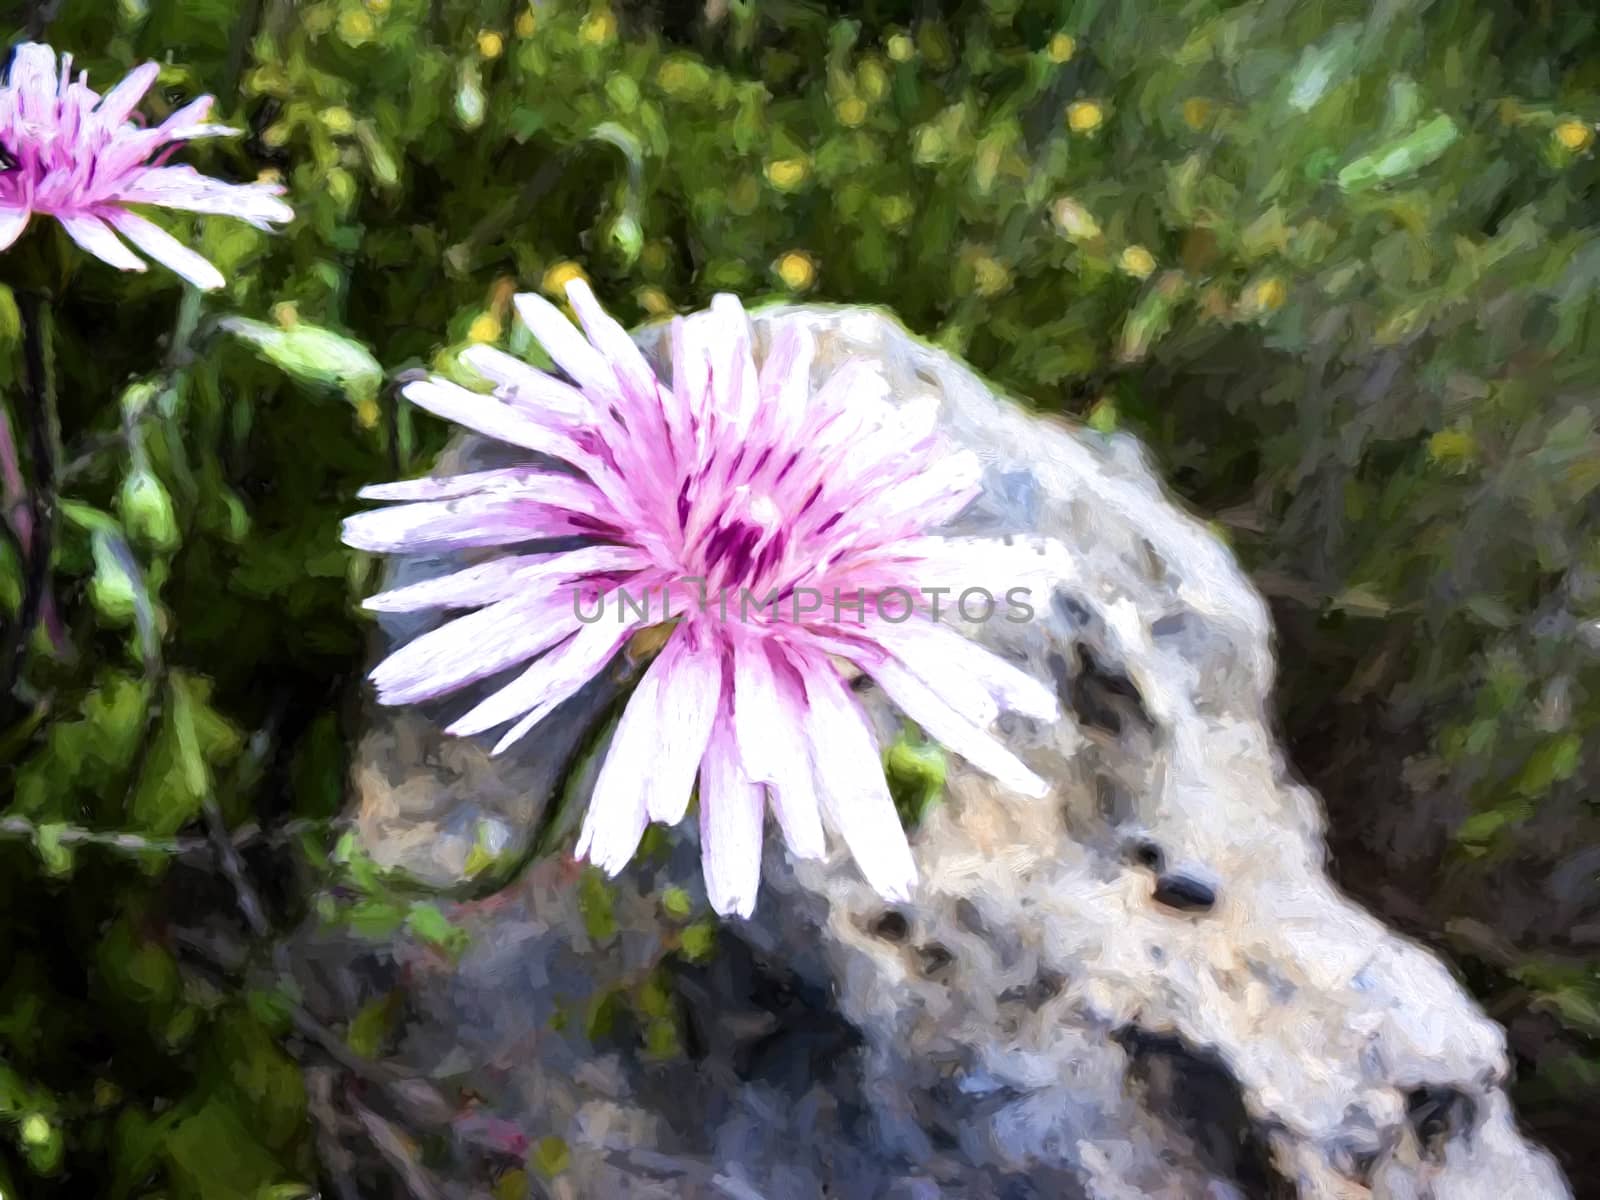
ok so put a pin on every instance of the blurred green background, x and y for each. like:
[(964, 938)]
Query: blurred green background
[(1336, 262)]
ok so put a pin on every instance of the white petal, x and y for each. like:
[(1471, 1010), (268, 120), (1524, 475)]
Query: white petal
[(617, 810), (468, 521), (189, 121), (857, 383), (449, 487), (731, 810), (473, 647), (769, 730), (487, 415), (185, 188), (785, 374), (504, 578), (937, 652), (613, 342), (95, 236), (785, 377), (850, 784), (687, 681), (566, 346), (945, 725), (32, 76), (528, 385), (931, 496), (794, 803), (691, 370), (946, 676), (737, 389), (555, 677), (118, 104), (166, 249), (12, 222)]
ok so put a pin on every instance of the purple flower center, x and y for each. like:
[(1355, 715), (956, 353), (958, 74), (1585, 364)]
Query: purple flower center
[(744, 545)]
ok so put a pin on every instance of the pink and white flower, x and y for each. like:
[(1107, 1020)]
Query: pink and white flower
[(733, 477), (75, 155)]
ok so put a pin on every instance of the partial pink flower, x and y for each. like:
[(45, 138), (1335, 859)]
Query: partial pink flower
[(75, 155), (733, 507)]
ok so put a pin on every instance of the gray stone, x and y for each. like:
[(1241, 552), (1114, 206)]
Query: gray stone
[(1143, 985)]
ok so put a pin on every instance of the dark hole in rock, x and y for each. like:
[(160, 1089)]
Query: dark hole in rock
[(1102, 697), (1195, 1090), (1184, 892), (1361, 1163), (1070, 609), (969, 918), (891, 927), (1147, 853), (1002, 939), (1153, 560), (1046, 986), (1171, 625), (1111, 800), (933, 959), (1438, 1114)]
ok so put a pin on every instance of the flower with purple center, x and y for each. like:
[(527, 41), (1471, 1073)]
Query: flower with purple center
[(70, 153), (721, 499)]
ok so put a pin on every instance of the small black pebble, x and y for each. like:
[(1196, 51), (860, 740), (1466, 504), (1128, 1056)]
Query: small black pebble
[(1184, 892)]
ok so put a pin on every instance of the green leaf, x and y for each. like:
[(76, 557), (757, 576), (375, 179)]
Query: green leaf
[(1400, 157), (1556, 760), (698, 940), (675, 902), (428, 922), (595, 903), (550, 1156), (370, 1027), (215, 1156), (1149, 320), (265, 1081), (1323, 65), (190, 759), (1361, 601), (192, 741)]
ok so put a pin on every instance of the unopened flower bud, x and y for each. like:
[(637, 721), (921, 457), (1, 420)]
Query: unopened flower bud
[(112, 590), (627, 236), (147, 511)]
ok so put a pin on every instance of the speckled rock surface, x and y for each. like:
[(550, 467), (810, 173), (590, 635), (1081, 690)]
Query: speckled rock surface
[(1143, 985)]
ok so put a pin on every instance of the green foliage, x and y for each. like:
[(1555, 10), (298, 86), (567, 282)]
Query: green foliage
[(915, 769), (377, 904), (1337, 263), (550, 1156), (595, 901)]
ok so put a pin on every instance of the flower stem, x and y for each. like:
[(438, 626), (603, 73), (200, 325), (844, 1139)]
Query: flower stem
[(40, 16), (38, 413)]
